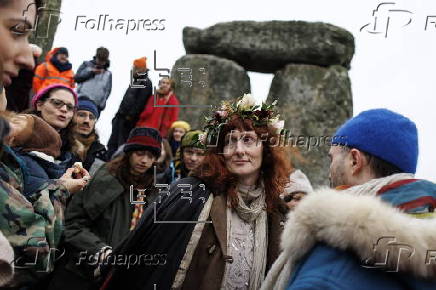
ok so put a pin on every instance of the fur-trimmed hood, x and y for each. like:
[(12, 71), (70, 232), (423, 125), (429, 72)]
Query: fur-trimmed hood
[(356, 223)]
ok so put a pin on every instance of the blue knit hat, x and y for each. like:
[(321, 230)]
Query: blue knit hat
[(86, 104), (384, 134)]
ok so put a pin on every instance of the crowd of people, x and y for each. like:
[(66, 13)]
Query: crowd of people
[(167, 206)]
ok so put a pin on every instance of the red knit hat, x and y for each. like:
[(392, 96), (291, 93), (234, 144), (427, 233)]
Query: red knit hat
[(144, 139)]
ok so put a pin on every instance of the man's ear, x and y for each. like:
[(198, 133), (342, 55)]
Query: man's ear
[(358, 161)]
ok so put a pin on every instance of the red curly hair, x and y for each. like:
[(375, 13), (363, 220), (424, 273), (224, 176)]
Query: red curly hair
[(275, 167)]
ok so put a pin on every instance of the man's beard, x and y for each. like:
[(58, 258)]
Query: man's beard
[(337, 178), (85, 136), (162, 92)]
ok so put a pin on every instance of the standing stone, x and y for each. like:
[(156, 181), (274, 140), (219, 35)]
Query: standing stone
[(314, 101), (204, 80), (269, 46), (49, 17)]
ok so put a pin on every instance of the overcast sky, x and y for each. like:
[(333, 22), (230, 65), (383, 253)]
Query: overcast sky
[(393, 71)]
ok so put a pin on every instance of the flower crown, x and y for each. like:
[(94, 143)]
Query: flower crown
[(246, 108)]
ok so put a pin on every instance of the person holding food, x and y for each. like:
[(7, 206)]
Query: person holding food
[(38, 146)]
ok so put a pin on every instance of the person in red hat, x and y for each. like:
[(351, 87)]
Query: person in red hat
[(102, 215), (134, 100)]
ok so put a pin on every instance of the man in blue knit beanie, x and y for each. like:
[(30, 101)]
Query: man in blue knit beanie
[(364, 233), (85, 144)]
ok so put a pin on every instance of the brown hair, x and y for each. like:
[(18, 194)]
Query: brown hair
[(168, 155), (120, 168), (379, 167), (172, 82), (275, 168), (102, 53)]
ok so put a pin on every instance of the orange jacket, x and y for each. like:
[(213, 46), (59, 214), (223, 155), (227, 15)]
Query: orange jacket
[(47, 74)]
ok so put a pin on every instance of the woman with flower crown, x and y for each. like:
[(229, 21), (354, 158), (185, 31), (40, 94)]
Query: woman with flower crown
[(220, 227)]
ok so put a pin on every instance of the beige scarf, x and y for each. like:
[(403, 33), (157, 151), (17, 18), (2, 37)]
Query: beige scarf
[(252, 209)]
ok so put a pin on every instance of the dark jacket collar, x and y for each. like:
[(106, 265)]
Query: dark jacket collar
[(104, 189)]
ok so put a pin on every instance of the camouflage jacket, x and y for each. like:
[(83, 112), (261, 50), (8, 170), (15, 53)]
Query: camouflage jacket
[(33, 225)]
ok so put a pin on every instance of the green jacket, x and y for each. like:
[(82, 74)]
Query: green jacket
[(98, 216), (34, 225)]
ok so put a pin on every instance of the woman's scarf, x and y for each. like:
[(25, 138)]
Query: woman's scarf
[(252, 209)]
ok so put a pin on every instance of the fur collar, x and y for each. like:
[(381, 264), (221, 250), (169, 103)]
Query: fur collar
[(356, 223)]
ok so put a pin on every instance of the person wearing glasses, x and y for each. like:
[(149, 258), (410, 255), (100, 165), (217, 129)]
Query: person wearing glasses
[(84, 139), (220, 227), (56, 104), (31, 226)]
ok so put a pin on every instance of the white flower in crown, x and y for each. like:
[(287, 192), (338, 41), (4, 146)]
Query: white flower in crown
[(246, 102), (202, 138), (276, 125)]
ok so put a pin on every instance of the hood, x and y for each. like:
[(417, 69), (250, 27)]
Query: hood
[(356, 223), (51, 53)]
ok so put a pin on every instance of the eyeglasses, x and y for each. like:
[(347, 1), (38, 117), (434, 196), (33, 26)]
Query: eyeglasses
[(82, 114), (192, 152), (59, 104)]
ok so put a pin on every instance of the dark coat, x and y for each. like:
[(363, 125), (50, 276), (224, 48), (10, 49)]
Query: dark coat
[(206, 269), (95, 151), (96, 217), (37, 171), (131, 106), (135, 98)]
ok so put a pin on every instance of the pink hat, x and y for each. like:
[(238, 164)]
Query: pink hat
[(49, 88)]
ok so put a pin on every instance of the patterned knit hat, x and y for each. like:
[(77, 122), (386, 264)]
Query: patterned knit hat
[(144, 139), (192, 139)]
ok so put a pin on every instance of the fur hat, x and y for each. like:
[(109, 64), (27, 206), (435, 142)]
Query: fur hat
[(39, 136), (144, 139), (384, 134)]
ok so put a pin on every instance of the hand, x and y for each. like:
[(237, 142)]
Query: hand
[(36, 50), (102, 255), (80, 172), (74, 185)]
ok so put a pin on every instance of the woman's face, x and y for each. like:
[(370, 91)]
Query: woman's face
[(178, 134), (141, 161), (243, 153), (15, 29), (58, 109)]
